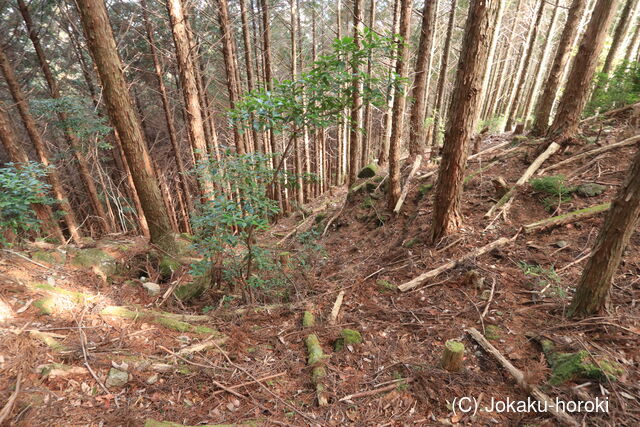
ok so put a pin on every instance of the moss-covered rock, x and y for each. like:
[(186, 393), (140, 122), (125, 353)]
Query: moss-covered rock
[(46, 306), (368, 171), (308, 319), (577, 366), (590, 189), (94, 257), (348, 337), (49, 257), (168, 265), (192, 289)]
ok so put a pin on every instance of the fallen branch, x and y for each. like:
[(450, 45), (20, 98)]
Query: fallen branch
[(6, 410), (486, 307), (333, 218), (488, 150), (405, 190), (623, 143), (246, 383), (451, 264), (477, 172), (336, 308), (560, 415), (505, 202), (609, 113), (567, 218), (316, 361), (295, 230), (377, 390)]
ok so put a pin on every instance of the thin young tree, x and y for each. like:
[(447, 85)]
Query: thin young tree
[(462, 117), (97, 30), (439, 110), (38, 143), (618, 36), (355, 137), (399, 102), (72, 139), (552, 84), (417, 128), (619, 224), (367, 119), (576, 93)]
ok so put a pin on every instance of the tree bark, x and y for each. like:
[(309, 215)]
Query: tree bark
[(512, 108), (251, 78), (399, 102), (576, 93), (618, 36), (417, 129), (102, 44), (166, 108), (495, 35), (551, 86), (619, 224), (440, 109), (462, 119), (355, 136), (40, 147), (368, 112), (71, 138), (186, 67)]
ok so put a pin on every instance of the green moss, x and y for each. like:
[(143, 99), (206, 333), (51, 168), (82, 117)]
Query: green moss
[(367, 203), (49, 257), (48, 340), (77, 297), (454, 346), (347, 337), (192, 289), (492, 332), (308, 319), (319, 218), (168, 265), (412, 242), (45, 306), (385, 285), (368, 171), (577, 366), (424, 188), (94, 257), (517, 140), (314, 350), (157, 317)]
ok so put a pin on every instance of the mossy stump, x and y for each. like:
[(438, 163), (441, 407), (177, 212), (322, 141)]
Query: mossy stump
[(348, 337), (368, 171), (453, 356), (308, 320)]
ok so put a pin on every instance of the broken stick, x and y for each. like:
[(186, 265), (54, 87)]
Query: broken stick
[(405, 190), (504, 203), (333, 318), (6, 410), (567, 218), (623, 143), (451, 264), (519, 377)]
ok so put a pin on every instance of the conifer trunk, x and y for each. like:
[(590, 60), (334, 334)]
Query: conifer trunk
[(251, 77), (383, 156), (102, 44), (355, 137), (399, 102), (576, 93), (462, 118), (618, 36)]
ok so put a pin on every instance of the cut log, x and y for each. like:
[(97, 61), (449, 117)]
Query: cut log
[(453, 356), (567, 218), (405, 190), (333, 318), (316, 362), (551, 406), (624, 143), (505, 202), (451, 264)]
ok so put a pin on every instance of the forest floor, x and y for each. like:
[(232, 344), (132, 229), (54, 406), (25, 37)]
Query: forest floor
[(225, 363)]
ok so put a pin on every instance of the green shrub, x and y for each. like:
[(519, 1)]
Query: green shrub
[(21, 185), (619, 89), (555, 187)]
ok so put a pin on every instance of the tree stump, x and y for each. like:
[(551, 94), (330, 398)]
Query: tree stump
[(452, 356)]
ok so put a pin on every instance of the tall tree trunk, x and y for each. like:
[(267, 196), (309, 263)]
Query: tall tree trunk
[(542, 63), (18, 155), (71, 138), (512, 108), (417, 130), (40, 147), (187, 67), (355, 136), (495, 35), (230, 61), (368, 112), (251, 78), (618, 36), (166, 108), (462, 118), (399, 102), (383, 156), (440, 109), (576, 93), (552, 84), (102, 44), (615, 233), (293, 21)]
